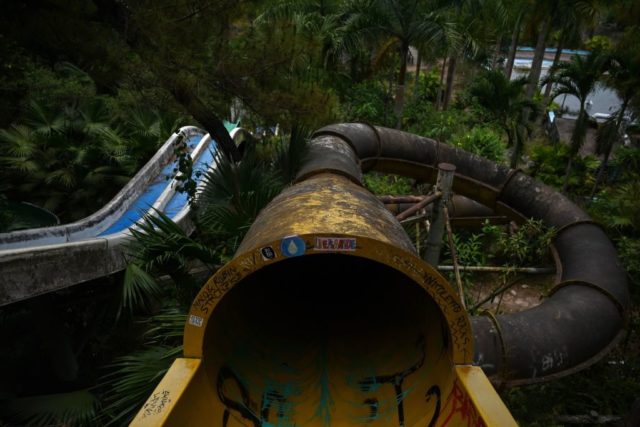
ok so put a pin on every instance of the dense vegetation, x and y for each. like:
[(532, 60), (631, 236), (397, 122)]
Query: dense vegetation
[(89, 89)]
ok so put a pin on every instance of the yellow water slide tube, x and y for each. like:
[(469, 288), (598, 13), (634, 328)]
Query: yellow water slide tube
[(326, 316)]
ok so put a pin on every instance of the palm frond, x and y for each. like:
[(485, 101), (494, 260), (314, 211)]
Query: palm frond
[(131, 379), (43, 121), (168, 325), (19, 141), (234, 193), (139, 288), (161, 246), (77, 408), (292, 154), (64, 176)]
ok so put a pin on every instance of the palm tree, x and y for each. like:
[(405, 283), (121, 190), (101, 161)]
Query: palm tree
[(571, 17), (320, 23), (517, 10), (399, 24), (476, 37), (504, 101), (624, 77), (61, 159), (577, 78)]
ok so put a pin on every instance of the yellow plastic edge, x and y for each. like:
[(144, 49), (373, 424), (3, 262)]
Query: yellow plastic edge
[(167, 395), (484, 397)]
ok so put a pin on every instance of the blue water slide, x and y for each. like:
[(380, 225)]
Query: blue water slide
[(42, 260)]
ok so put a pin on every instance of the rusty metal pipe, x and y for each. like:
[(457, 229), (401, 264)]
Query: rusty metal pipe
[(421, 205), (580, 322)]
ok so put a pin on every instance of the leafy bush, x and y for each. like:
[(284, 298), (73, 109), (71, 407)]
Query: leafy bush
[(549, 164), (426, 89), (608, 388), (368, 102), (527, 245), (628, 249), (483, 141), (386, 184), (440, 125), (618, 207)]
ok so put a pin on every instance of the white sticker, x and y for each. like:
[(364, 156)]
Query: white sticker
[(195, 320), (336, 244)]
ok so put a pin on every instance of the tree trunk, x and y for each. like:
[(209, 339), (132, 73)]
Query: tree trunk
[(577, 138), (511, 137), (205, 116), (513, 46), (450, 76), (402, 76), (607, 152), (418, 65), (556, 61), (603, 167), (440, 90), (494, 62), (538, 57), (567, 173)]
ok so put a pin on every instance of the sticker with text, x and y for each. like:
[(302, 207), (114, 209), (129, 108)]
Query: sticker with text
[(195, 320), (268, 253), (339, 244)]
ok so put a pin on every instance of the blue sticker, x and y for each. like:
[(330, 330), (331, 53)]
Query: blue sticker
[(292, 246)]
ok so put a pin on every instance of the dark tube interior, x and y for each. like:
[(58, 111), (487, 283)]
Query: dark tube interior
[(328, 339)]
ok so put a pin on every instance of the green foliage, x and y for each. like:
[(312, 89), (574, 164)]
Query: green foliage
[(233, 195), (290, 155), (423, 119), (166, 327), (528, 245), (131, 380), (504, 102), (626, 164), (628, 249), (161, 247), (548, 164), (471, 249), (76, 408), (618, 207), (483, 141), (63, 84), (184, 173), (386, 184), (609, 387), (599, 43), (368, 102), (139, 289), (73, 160), (427, 87)]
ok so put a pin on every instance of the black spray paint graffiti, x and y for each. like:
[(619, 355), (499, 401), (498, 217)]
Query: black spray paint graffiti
[(434, 391), (366, 384), (246, 407)]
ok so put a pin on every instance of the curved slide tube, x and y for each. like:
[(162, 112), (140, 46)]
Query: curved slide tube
[(327, 316), (584, 315), (42, 260)]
